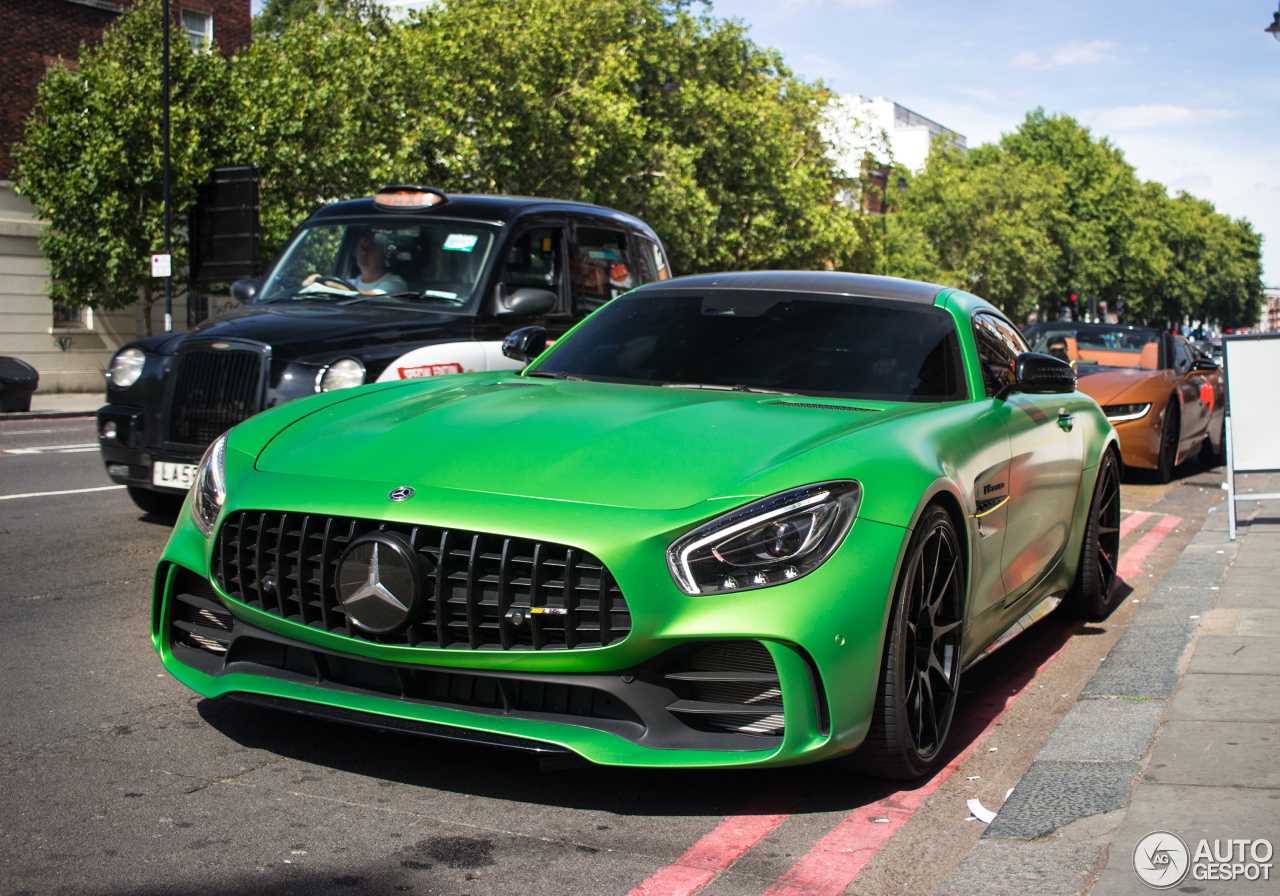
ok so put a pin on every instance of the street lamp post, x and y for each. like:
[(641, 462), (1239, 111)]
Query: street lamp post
[(1274, 28), (168, 293)]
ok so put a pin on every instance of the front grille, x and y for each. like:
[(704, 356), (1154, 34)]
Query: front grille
[(213, 390), (730, 686), (286, 564)]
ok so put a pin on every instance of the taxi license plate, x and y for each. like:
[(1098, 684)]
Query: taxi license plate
[(173, 475)]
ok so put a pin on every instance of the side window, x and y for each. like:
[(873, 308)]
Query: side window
[(998, 349), (1182, 356), (653, 261), (601, 268), (535, 260)]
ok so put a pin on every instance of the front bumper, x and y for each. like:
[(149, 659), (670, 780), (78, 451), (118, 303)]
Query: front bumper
[(615, 705)]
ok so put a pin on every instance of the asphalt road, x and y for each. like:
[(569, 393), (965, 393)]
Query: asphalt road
[(116, 779)]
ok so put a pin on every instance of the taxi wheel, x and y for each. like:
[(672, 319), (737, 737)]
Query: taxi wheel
[(920, 675), (1094, 594), (1168, 443), (156, 503)]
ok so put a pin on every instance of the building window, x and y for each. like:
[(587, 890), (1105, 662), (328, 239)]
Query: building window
[(199, 27), (66, 317)]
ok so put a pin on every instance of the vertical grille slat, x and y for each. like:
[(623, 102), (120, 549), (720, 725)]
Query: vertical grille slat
[(213, 390), (471, 581)]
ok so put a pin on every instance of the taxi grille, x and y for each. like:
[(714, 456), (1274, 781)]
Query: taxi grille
[(213, 390), (286, 564)]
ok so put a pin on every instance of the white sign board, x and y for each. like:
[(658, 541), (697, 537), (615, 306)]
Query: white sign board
[(1253, 406), (160, 266)]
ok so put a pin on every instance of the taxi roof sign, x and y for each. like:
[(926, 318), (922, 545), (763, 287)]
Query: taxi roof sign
[(409, 198)]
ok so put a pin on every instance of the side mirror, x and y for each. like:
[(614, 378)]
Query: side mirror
[(525, 344), (1206, 364), (245, 291), (1042, 374), (526, 301)]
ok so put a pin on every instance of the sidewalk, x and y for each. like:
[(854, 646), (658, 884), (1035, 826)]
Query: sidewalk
[(49, 405), (1177, 732)]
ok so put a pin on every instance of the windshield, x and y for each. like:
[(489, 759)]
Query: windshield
[(793, 343), (431, 263), (1097, 345)]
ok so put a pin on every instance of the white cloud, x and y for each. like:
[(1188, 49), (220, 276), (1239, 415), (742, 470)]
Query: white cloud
[(1127, 118), (1077, 52)]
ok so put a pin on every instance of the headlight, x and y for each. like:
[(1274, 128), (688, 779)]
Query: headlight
[(1119, 413), (209, 491), (126, 367), (341, 375), (774, 540)]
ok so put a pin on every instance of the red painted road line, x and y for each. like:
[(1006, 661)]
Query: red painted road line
[(1133, 521), (840, 856), (1131, 563), (722, 847)]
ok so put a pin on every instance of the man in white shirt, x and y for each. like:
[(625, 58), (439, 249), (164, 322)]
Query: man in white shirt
[(371, 259)]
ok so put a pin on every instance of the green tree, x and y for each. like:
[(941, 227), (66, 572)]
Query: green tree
[(90, 160)]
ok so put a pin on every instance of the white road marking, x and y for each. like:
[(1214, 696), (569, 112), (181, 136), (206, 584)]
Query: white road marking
[(57, 449), (71, 491)]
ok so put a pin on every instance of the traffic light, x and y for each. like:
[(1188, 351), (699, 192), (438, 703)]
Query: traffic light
[(1073, 303)]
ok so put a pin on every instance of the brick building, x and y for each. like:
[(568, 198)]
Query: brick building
[(70, 348)]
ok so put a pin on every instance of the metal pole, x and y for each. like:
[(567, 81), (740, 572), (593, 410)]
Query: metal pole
[(168, 291), (1231, 482)]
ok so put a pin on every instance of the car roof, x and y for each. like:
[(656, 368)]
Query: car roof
[(502, 209), (830, 282)]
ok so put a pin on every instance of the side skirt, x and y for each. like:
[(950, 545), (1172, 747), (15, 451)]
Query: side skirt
[(1024, 622)]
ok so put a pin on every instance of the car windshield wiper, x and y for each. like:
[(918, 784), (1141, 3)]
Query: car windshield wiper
[(738, 388), (555, 375)]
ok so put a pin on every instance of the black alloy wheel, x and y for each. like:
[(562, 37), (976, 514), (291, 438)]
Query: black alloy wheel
[(920, 676), (1093, 595), (1169, 433)]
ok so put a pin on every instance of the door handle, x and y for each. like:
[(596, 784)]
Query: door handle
[(1065, 420)]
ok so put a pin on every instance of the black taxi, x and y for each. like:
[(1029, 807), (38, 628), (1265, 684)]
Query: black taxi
[(411, 283)]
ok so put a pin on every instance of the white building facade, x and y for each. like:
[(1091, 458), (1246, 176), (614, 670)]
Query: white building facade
[(909, 133)]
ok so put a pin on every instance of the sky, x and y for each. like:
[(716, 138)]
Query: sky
[(1190, 91)]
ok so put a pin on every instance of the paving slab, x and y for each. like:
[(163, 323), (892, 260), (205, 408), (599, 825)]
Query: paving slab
[(1259, 623), (1228, 654), (1259, 551), (1193, 813), (1144, 662), (1105, 730), (1217, 754), (1053, 794), (1227, 698), (1010, 868), (1250, 586)]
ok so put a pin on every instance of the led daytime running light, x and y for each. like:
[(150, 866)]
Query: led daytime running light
[(209, 491)]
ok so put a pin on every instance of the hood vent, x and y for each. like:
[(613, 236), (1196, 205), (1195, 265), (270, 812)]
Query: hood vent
[(516, 385), (825, 407)]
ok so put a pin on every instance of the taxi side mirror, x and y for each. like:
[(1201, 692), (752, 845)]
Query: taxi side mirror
[(527, 301), (245, 291)]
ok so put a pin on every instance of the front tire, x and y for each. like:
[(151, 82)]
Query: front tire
[(920, 673), (156, 503), (1093, 595)]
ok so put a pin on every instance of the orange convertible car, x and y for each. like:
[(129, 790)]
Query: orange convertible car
[(1165, 400)]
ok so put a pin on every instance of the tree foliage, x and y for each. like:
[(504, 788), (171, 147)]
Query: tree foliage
[(91, 157), (1050, 211)]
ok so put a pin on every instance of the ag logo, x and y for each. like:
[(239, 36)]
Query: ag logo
[(1161, 859)]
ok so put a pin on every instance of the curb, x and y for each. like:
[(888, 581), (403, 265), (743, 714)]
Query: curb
[(46, 415), (1091, 762)]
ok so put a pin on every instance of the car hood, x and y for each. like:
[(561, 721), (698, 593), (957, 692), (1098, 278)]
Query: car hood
[(295, 330), (623, 446), (1111, 385)]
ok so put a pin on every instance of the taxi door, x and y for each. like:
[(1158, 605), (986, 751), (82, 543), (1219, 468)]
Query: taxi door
[(1046, 461)]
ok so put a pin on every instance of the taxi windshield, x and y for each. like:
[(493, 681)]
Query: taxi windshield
[(429, 263), (791, 343), (1097, 345)]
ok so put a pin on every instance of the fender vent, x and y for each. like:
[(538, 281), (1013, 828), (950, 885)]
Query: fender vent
[(825, 407)]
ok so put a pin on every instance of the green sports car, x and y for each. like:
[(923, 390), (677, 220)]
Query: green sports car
[(730, 520)]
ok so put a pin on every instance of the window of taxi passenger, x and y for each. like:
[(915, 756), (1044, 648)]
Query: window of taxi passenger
[(601, 268)]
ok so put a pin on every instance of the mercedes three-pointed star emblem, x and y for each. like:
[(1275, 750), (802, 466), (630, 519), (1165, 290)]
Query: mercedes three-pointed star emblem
[(373, 586), (380, 582)]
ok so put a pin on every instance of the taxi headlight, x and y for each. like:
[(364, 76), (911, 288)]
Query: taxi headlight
[(769, 542), (126, 367), (342, 374), (209, 491)]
